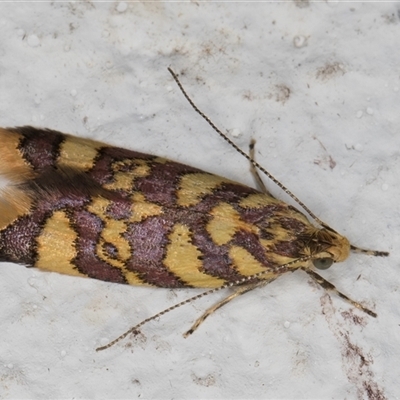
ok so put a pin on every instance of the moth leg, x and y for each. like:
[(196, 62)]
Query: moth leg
[(328, 286), (259, 182), (238, 292)]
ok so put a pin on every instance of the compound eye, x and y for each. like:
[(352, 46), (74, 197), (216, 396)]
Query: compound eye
[(322, 263)]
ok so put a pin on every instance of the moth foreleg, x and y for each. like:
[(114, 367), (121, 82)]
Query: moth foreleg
[(259, 182), (329, 286), (238, 292)]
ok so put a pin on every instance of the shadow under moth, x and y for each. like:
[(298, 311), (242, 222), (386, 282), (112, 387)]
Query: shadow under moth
[(85, 208)]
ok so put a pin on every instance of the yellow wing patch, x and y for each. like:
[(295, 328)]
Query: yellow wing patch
[(182, 259), (12, 165), (258, 200), (246, 264), (123, 180), (59, 236), (143, 209), (225, 223), (193, 187), (78, 152)]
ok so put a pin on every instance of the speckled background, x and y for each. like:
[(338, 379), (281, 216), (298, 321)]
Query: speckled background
[(317, 85)]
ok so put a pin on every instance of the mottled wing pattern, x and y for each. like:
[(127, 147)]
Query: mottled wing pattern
[(81, 207)]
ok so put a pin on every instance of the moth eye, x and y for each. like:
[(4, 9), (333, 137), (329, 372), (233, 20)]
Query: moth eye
[(322, 263)]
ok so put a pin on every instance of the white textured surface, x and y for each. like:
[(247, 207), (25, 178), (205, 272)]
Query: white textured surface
[(100, 70)]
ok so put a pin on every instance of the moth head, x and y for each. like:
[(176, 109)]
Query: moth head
[(330, 247)]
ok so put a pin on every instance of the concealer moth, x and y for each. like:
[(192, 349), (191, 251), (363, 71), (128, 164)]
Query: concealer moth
[(81, 207)]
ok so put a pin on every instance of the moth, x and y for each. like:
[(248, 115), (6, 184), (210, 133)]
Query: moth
[(81, 207)]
